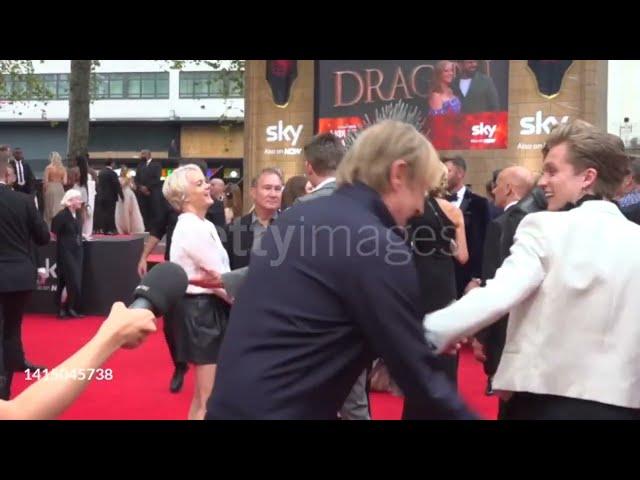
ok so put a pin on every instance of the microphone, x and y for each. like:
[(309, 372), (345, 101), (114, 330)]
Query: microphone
[(161, 288)]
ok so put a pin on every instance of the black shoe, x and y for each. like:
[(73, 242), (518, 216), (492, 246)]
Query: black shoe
[(74, 314), (178, 379), (489, 390), (62, 313)]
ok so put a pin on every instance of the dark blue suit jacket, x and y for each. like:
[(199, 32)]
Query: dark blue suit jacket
[(312, 316)]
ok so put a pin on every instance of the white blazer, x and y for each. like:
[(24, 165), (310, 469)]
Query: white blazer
[(572, 288)]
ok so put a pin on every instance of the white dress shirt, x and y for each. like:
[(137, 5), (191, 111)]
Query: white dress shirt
[(20, 173), (460, 193), (509, 205), (570, 286), (196, 246), (323, 183), (465, 84)]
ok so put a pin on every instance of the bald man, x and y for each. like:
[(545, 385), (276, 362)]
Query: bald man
[(513, 186), (217, 189), (215, 214)]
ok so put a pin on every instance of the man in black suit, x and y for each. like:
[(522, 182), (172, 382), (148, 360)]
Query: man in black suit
[(107, 194), (475, 90), (242, 237), (476, 217), (164, 225), (342, 290), (20, 224), (25, 179), (149, 188), (515, 195)]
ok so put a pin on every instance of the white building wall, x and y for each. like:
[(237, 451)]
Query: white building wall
[(173, 108), (623, 95)]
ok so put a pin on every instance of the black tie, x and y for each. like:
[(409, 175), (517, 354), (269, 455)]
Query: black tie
[(453, 197)]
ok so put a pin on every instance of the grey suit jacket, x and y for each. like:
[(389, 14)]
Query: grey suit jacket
[(325, 191)]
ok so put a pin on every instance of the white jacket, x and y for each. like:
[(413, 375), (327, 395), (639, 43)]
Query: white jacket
[(572, 288)]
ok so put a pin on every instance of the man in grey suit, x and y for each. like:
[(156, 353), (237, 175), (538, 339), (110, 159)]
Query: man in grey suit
[(322, 157), (475, 90)]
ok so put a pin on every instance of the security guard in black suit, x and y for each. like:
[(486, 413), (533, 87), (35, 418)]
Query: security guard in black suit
[(20, 225)]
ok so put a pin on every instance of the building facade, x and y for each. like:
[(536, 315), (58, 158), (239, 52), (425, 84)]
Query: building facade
[(136, 104)]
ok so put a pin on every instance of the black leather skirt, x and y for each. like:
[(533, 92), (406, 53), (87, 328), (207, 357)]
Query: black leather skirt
[(205, 321)]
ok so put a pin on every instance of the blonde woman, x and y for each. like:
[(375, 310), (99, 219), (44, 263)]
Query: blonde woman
[(197, 248), (128, 217), (67, 227), (442, 100), (53, 181), (437, 240), (232, 202)]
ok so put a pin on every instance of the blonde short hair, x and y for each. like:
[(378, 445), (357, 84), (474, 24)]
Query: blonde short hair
[(370, 157), (175, 186), (68, 196)]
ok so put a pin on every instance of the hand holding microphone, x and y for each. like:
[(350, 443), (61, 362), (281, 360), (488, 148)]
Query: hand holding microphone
[(125, 327), (158, 291)]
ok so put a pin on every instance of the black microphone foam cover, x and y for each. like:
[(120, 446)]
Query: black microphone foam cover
[(163, 286)]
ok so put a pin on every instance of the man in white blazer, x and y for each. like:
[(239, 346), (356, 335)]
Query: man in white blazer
[(570, 286)]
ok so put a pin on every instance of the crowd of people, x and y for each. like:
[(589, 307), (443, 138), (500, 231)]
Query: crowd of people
[(383, 254)]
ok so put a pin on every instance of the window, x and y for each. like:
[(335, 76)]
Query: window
[(148, 85), (216, 84), (116, 85), (162, 85), (132, 85), (63, 86), (103, 86), (236, 84), (50, 85)]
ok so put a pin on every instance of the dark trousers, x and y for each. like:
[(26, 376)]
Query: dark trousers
[(150, 207), (144, 202), (73, 285), (12, 306), (105, 216), (531, 406), (413, 410)]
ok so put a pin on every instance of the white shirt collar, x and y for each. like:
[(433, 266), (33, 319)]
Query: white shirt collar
[(460, 193), (510, 205), (323, 183), (149, 161)]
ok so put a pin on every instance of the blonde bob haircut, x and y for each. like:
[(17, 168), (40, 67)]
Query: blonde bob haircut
[(370, 157), (176, 185), (68, 196)]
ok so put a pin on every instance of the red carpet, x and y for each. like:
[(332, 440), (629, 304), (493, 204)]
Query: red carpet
[(140, 385)]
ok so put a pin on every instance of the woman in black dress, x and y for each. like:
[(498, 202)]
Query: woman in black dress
[(67, 226), (437, 238)]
